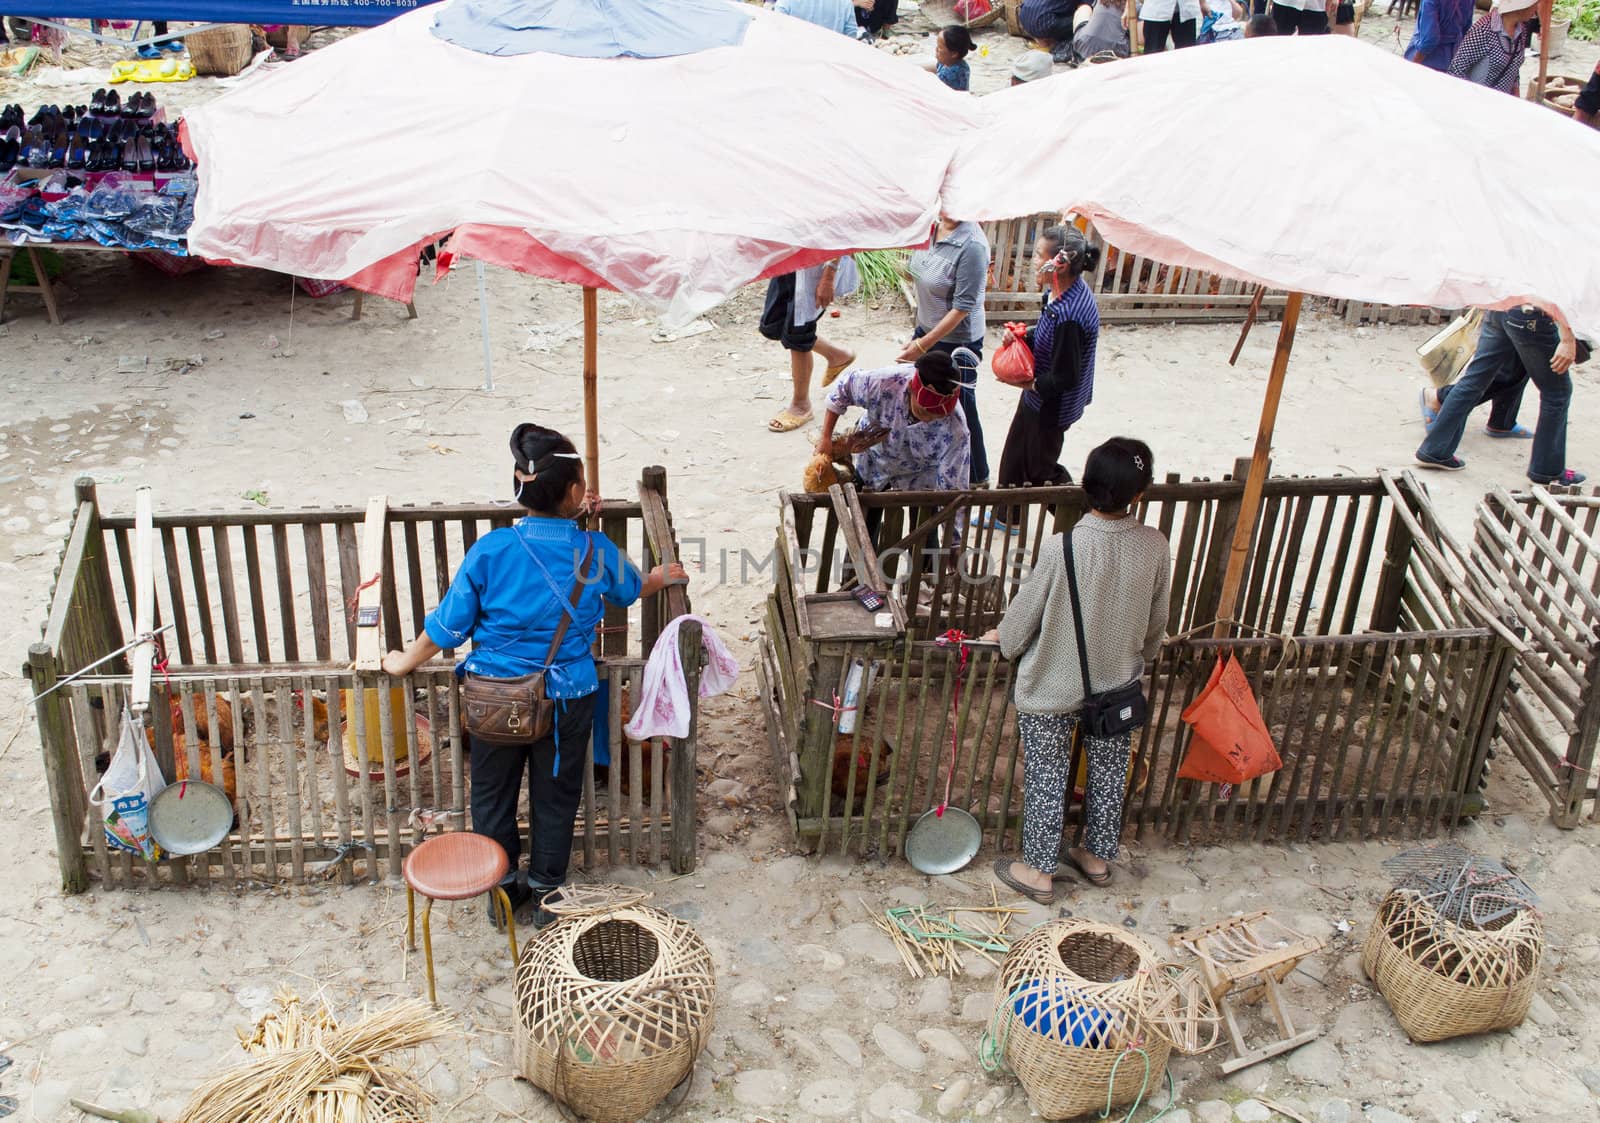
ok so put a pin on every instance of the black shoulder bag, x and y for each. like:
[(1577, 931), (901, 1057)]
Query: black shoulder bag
[(1116, 711)]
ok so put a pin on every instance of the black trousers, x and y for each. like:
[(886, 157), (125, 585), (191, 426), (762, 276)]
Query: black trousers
[(554, 790), (1032, 453), (884, 13), (1156, 30)]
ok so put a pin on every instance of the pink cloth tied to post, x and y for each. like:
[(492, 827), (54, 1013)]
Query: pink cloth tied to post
[(663, 706)]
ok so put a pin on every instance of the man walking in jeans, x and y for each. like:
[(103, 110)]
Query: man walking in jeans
[(1546, 349)]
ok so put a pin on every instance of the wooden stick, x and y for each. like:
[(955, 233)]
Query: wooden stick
[(1250, 502), (1546, 16), (369, 584), (591, 378), (144, 596)]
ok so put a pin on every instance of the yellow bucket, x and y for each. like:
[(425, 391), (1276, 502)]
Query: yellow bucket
[(373, 724)]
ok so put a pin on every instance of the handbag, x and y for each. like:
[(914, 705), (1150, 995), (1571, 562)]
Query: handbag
[(515, 711), (1115, 711)]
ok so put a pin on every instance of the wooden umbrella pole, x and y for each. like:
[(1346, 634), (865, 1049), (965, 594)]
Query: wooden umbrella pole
[(1250, 503), (591, 407), (1547, 15)]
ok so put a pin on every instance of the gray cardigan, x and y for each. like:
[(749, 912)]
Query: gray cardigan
[(1124, 574)]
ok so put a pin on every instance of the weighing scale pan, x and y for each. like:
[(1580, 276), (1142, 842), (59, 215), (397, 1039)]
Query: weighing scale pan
[(943, 844), (190, 817)]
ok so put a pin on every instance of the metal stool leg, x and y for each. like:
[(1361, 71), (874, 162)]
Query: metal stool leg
[(511, 920), (427, 947), (411, 919)]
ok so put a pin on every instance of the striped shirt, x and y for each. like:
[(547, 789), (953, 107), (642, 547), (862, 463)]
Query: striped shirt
[(1077, 305)]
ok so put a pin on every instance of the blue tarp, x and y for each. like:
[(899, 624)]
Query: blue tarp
[(592, 28), (350, 13)]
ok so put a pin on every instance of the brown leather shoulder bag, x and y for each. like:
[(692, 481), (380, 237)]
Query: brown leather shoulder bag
[(515, 711)]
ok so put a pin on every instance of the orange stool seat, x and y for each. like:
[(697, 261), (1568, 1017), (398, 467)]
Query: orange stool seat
[(454, 867)]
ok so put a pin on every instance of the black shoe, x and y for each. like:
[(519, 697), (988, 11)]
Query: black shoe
[(519, 895)]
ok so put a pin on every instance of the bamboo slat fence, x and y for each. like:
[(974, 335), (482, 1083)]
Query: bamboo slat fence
[(262, 643), (1370, 652)]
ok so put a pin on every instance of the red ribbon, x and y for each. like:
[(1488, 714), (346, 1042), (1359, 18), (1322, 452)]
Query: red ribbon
[(838, 707), (957, 638), (355, 599)]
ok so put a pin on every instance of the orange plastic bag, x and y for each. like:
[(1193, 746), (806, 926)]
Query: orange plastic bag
[(1230, 743), (1013, 363)]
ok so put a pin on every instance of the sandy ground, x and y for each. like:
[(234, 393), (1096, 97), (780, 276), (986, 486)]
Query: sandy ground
[(132, 998)]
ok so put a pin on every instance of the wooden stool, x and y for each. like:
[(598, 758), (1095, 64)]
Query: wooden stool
[(1251, 954), (455, 866)]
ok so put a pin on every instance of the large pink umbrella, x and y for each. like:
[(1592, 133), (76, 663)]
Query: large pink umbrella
[(676, 180), (1315, 164)]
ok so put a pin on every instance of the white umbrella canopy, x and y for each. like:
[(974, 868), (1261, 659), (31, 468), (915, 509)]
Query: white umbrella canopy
[(1313, 164), (676, 179)]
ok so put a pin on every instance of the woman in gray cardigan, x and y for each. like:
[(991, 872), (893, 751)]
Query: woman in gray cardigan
[(1124, 571)]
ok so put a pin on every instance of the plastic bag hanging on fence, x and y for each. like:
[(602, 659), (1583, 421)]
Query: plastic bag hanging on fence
[(126, 790), (1013, 363), (663, 707), (1231, 743)]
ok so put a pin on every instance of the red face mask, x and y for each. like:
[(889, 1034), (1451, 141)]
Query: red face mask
[(932, 402)]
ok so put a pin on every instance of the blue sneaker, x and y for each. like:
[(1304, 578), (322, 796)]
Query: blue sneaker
[(149, 50), (173, 45)]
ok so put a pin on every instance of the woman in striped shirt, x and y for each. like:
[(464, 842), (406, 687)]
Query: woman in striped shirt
[(1063, 343)]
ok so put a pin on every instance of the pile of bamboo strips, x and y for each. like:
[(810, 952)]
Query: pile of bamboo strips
[(931, 941), (306, 1068)]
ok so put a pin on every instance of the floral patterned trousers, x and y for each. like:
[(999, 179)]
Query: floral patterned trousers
[(1046, 758)]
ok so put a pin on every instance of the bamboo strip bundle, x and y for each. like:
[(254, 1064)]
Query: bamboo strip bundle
[(306, 1068), (931, 944)]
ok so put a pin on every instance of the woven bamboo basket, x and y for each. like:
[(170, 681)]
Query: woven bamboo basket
[(942, 12), (1013, 10), (221, 50), (1083, 1009), (1446, 981), (613, 1008)]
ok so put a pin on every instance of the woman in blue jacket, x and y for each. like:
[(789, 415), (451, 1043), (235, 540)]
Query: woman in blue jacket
[(508, 597)]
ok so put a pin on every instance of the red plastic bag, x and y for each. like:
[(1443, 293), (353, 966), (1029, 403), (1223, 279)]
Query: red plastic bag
[(969, 10), (1230, 744), (1013, 363)]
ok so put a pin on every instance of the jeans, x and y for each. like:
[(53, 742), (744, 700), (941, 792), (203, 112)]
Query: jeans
[(969, 407), (1507, 338), (553, 793), (1504, 395)]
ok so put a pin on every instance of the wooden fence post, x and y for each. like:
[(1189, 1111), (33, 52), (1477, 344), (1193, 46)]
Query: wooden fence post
[(1579, 759), (1396, 560), (685, 827), (61, 770), (1208, 597), (101, 596)]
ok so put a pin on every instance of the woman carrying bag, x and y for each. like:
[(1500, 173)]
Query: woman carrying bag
[(1064, 343), (1081, 628), (529, 597)]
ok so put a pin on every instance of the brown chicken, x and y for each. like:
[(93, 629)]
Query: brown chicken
[(648, 751), (845, 753), (202, 731)]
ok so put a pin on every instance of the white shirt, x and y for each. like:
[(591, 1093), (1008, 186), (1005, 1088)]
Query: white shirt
[(1160, 10)]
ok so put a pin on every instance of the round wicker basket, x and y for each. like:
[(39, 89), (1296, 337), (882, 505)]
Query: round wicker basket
[(1077, 1007), (1013, 11), (613, 1007), (1444, 981)]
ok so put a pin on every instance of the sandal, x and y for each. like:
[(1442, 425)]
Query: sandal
[(1101, 880), (788, 421), (836, 369), (1515, 433), (1002, 870)]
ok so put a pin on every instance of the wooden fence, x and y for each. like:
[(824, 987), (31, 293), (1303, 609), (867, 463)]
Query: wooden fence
[(1539, 553), (1385, 731), (1130, 288), (262, 645)]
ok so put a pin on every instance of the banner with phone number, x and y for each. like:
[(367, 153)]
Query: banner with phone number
[(309, 13)]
